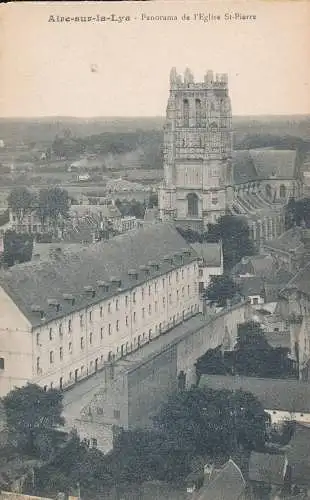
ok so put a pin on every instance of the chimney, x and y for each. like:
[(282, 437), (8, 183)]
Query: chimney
[(54, 303), (116, 281), (145, 270), (37, 309), (168, 259)]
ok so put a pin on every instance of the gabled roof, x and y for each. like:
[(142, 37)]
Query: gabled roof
[(228, 484), (289, 241), (211, 253), (252, 286), (300, 282), (263, 163), (267, 468), (298, 454), (274, 394), (85, 271)]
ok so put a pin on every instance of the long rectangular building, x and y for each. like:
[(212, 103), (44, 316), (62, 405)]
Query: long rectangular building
[(62, 319)]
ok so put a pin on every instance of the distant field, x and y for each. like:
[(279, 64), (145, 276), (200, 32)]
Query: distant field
[(44, 130)]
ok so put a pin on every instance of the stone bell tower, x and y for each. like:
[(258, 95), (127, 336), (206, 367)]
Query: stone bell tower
[(197, 150)]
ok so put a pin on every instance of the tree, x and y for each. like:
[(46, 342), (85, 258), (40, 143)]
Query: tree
[(220, 290), (22, 202), (33, 415), (233, 231), (213, 422), (297, 212), (18, 247), (53, 203)]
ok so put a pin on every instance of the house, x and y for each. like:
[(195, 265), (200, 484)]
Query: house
[(103, 213), (227, 483), (268, 469), (283, 400), (63, 319), (261, 266), (252, 289), (210, 261), (298, 454)]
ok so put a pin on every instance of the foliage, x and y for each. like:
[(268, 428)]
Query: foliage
[(254, 356), (220, 290), (74, 464), (53, 203), (233, 231), (212, 422), (132, 207), (297, 212), (22, 202), (18, 247), (32, 417)]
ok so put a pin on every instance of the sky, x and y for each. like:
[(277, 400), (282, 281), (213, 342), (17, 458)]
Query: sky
[(122, 68)]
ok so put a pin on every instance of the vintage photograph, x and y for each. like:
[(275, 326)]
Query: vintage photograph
[(155, 251)]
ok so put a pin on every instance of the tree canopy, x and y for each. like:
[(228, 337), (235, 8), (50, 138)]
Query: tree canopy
[(18, 247), (32, 417), (22, 201), (297, 212), (53, 203), (220, 290), (213, 422)]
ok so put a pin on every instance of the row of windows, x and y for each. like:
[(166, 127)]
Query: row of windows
[(144, 311)]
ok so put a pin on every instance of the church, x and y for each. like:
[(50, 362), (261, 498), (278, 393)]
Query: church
[(204, 178)]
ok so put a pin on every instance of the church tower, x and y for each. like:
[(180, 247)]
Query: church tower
[(197, 150)]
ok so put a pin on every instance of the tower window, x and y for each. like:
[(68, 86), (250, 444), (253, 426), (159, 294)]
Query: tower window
[(186, 112), (192, 204), (198, 113)]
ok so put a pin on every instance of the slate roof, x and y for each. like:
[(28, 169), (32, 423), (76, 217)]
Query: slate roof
[(301, 281), (48, 250), (267, 468), (228, 484), (252, 286), (274, 394), (298, 454), (263, 163), (289, 241), (82, 274), (258, 265), (211, 253)]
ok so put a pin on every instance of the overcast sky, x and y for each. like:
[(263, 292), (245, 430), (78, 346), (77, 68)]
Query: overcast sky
[(122, 69)]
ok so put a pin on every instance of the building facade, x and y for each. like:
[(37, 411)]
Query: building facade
[(63, 319), (197, 150), (205, 179)]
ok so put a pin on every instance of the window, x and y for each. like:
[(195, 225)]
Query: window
[(101, 333), (38, 339), (192, 205), (90, 315), (51, 334), (126, 320), (51, 357), (155, 286), (91, 338), (182, 273), (117, 414), (186, 113), (126, 300), (177, 294), (81, 319), (169, 279), (94, 443), (134, 297), (170, 298), (101, 313), (117, 325), (134, 316), (142, 293), (38, 365), (60, 353), (255, 300), (116, 305), (200, 273), (109, 307), (60, 329), (156, 306), (143, 312), (69, 325), (163, 282), (149, 290), (198, 113), (99, 410), (1, 363), (177, 277), (164, 302), (82, 342), (109, 329), (188, 289), (150, 309), (182, 291), (70, 347)]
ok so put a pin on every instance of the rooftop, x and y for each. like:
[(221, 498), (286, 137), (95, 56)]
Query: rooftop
[(289, 241), (267, 468), (263, 163), (211, 253), (228, 484), (252, 286), (298, 454), (99, 271), (300, 282), (274, 394)]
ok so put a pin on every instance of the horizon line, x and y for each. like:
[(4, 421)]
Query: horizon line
[(98, 117)]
